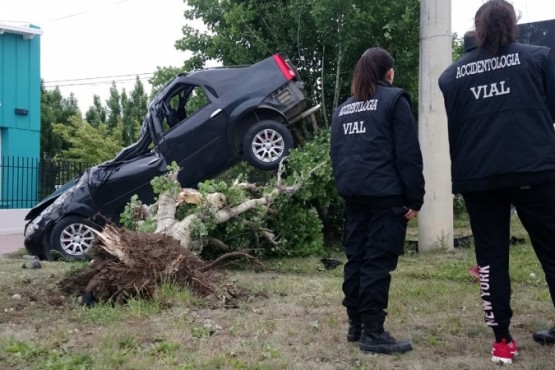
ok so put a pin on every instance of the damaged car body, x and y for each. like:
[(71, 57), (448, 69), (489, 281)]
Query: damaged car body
[(206, 121)]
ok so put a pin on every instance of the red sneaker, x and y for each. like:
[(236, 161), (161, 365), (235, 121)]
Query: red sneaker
[(514, 347), (504, 352)]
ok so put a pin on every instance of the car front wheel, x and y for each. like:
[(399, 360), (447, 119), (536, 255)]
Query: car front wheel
[(73, 237), (266, 143)]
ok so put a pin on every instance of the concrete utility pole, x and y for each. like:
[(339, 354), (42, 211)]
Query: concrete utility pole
[(435, 221)]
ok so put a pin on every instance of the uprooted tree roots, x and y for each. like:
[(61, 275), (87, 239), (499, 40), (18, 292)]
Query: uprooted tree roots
[(127, 264)]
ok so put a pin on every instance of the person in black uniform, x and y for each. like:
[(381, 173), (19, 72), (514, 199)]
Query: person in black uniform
[(377, 166), (500, 103)]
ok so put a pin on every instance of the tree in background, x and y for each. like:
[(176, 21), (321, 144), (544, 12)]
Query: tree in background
[(103, 132), (54, 109), (113, 104), (458, 47), (134, 110), (87, 143), (97, 113), (127, 121)]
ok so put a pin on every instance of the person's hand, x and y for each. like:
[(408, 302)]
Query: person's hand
[(411, 213)]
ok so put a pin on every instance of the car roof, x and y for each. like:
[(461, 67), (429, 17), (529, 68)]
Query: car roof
[(223, 80)]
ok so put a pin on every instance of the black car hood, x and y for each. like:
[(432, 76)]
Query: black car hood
[(39, 207), (76, 199)]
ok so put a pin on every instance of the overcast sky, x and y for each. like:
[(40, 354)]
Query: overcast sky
[(87, 42)]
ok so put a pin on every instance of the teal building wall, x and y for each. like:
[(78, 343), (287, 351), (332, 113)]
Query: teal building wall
[(19, 114)]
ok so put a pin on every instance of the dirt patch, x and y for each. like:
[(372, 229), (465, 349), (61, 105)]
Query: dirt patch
[(144, 262)]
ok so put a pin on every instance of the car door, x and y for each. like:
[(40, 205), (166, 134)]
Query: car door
[(113, 186), (194, 133)]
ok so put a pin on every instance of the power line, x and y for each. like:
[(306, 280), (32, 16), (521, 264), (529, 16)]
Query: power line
[(71, 15), (83, 12), (99, 77), (92, 83)]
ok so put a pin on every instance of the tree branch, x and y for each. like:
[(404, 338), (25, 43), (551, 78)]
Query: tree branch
[(227, 256)]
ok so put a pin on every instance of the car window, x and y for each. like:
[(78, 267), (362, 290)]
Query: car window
[(182, 104), (197, 99)]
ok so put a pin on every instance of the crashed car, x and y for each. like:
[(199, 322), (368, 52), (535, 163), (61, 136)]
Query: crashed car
[(206, 121)]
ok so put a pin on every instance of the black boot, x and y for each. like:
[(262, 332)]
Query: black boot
[(376, 340), (546, 336), (355, 325)]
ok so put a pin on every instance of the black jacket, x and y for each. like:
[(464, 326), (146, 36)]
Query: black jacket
[(500, 117), (375, 151)]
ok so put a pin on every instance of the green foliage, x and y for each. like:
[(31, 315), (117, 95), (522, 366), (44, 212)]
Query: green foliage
[(105, 130), (234, 195), (49, 359), (201, 228), (300, 219), (208, 226), (318, 190), (166, 182), (67, 360), (132, 218), (113, 105), (24, 350), (134, 109), (87, 143), (299, 229), (243, 171), (54, 109), (458, 47), (311, 165), (97, 113), (297, 220)]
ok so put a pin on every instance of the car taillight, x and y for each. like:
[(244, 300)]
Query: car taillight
[(285, 67)]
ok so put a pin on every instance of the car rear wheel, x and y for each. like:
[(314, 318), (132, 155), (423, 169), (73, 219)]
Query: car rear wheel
[(73, 237), (266, 143)]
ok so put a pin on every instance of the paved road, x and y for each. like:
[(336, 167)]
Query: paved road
[(10, 243)]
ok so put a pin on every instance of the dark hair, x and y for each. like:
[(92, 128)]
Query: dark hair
[(370, 69), (469, 41), (495, 23)]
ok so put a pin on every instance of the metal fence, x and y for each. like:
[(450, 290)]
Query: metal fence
[(24, 181)]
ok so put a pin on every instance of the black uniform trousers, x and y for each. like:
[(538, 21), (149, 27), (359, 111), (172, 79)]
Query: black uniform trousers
[(373, 239), (489, 213)]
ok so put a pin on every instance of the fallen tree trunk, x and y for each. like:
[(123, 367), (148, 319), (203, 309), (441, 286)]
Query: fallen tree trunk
[(220, 212)]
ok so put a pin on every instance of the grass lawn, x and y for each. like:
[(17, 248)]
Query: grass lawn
[(294, 320)]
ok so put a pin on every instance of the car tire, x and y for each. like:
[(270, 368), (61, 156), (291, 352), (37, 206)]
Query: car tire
[(73, 236), (266, 143)]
